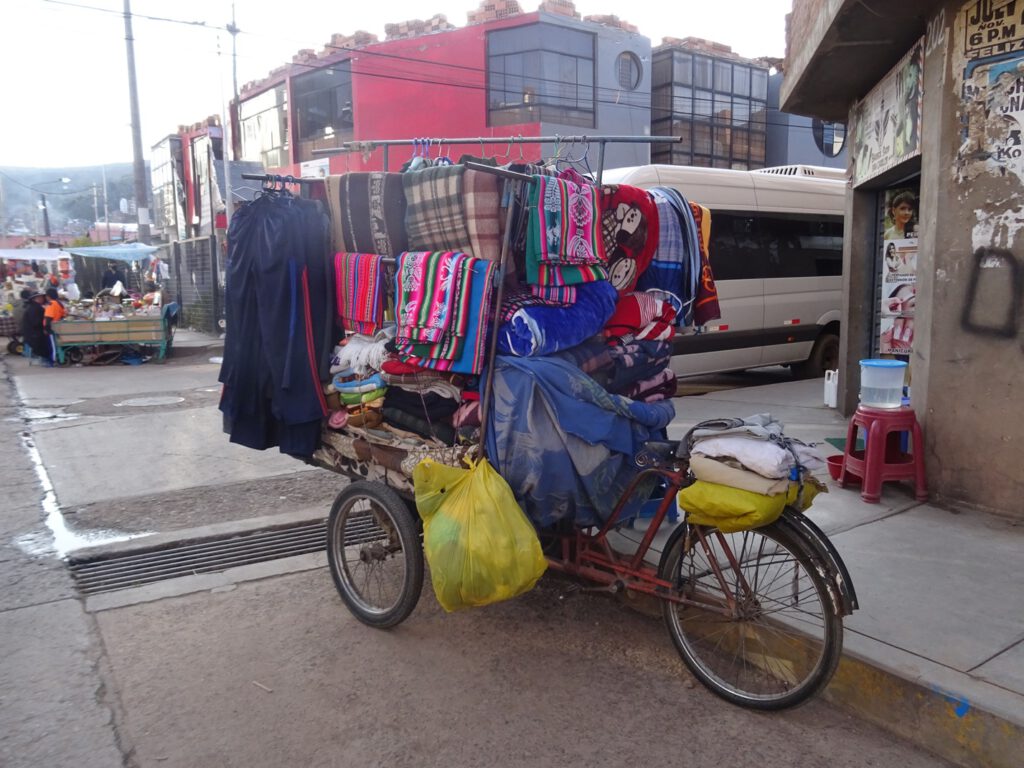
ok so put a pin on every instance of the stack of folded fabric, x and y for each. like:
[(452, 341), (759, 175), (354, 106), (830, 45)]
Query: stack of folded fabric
[(424, 413), (443, 302), (747, 470), (635, 362)]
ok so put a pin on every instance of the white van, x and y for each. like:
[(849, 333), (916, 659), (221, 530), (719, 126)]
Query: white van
[(777, 256)]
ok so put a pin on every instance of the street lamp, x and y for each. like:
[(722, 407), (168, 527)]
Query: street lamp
[(42, 202)]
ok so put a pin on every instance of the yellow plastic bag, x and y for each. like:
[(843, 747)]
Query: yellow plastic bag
[(734, 509), (480, 546)]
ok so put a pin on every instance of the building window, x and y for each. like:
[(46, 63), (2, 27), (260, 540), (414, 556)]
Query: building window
[(741, 80), (540, 72), (723, 76), (759, 84), (323, 108), (702, 72), (263, 120), (683, 65), (830, 137), (628, 70)]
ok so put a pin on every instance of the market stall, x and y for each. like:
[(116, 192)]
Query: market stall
[(493, 344)]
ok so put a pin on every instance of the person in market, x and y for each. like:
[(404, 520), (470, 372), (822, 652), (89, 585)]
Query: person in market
[(32, 326), (112, 276), (54, 312)]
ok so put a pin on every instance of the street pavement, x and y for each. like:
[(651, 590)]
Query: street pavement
[(262, 665)]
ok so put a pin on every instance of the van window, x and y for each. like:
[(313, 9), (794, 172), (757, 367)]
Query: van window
[(735, 250), (801, 246)]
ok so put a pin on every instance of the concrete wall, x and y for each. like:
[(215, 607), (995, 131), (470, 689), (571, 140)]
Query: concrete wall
[(968, 348)]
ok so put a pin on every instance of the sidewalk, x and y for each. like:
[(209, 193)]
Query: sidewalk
[(936, 651)]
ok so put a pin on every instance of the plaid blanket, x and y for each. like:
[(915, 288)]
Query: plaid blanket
[(359, 290), (367, 213), (435, 214), (483, 219)]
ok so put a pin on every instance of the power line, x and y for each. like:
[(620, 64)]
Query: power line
[(139, 15)]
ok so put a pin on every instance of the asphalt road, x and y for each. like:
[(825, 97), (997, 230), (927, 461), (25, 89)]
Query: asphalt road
[(271, 670)]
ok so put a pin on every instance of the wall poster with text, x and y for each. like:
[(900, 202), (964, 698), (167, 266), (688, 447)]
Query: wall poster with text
[(899, 271)]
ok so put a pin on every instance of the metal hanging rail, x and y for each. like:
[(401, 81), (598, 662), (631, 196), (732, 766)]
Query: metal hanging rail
[(509, 141)]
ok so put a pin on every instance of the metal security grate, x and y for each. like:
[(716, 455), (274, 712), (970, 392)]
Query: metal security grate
[(123, 571)]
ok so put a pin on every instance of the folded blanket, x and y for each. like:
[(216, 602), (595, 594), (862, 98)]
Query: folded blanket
[(543, 330), (465, 354), (435, 214), (367, 213), (563, 227), (483, 218), (430, 300), (671, 269), (629, 225), (409, 423), (660, 386), (642, 316), (359, 290), (716, 471), (636, 361)]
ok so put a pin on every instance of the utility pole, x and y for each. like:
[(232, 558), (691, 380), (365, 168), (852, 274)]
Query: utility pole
[(95, 204), (106, 209), (141, 195), (46, 215), (228, 130)]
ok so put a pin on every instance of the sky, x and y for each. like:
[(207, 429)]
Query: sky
[(64, 87)]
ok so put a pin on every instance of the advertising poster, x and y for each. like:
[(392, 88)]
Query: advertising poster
[(887, 123), (899, 271)]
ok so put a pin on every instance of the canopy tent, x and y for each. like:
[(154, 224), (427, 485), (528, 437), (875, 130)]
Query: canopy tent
[(126, 252)]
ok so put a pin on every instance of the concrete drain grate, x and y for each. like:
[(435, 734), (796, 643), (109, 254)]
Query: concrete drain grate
[(136, 568)]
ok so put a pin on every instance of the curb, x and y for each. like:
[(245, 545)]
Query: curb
[(941, 721)]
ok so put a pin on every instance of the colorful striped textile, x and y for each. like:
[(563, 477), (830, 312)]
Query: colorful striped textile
[(431, 304), (461, 354), (563, 228), (359, 289), (435, 214), (555, 294)]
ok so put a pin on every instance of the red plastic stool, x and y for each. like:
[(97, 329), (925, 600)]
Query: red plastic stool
[(882, 458)]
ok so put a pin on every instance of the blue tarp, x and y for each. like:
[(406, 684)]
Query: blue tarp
[(127, 252)]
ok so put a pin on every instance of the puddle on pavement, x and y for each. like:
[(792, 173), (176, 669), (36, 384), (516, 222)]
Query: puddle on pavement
[(39, 414), (61, 540), (140, 402)]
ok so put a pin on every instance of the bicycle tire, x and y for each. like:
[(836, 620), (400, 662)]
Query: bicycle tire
[(760, 657), (370, 530)]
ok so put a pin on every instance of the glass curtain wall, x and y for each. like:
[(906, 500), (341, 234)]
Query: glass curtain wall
[(718, 107)]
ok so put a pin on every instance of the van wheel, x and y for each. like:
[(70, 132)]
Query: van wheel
[(824, 357)]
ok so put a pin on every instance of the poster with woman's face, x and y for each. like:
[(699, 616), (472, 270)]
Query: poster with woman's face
[(899, 261), (901, 213)]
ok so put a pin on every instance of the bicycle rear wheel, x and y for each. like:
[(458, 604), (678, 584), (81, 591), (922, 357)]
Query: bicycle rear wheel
[(375, 554), (764, 635)]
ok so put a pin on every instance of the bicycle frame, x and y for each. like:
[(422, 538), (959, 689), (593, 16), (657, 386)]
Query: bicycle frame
[(590, 555)]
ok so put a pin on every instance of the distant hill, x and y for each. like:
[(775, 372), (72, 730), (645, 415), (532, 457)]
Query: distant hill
[(72, 202)]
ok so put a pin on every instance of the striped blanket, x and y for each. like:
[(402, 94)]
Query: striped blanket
[(431, 305), (359, 290)]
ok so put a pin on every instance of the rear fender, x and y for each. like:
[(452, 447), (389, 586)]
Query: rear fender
[(836, 573)]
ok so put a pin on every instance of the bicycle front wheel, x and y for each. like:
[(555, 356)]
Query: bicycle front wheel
[(757, 625)]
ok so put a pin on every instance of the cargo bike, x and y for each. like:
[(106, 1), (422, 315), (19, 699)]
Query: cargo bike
[(756, 615)]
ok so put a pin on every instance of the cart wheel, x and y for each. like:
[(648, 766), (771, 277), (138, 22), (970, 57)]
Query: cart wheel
[(15, 347), (74, 356), (375, 554)]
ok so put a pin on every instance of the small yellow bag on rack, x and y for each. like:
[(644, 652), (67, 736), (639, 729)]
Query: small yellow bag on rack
[(479, 544), (734, 509)]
